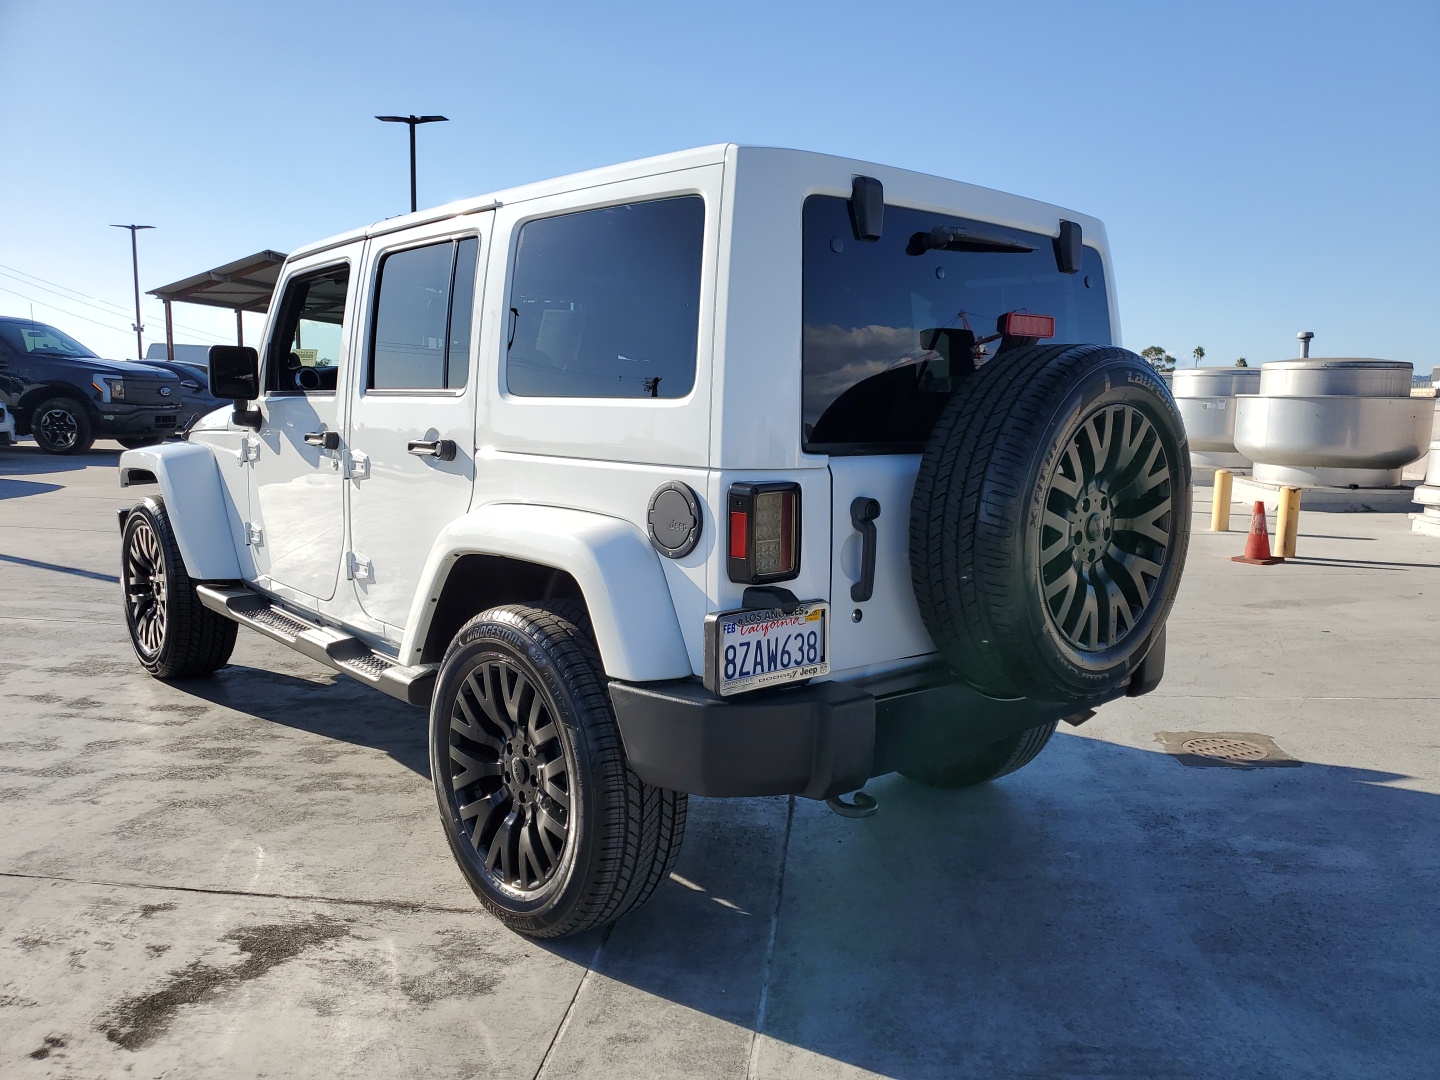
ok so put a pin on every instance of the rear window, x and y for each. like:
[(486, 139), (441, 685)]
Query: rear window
[(892, 326), (606, 303)]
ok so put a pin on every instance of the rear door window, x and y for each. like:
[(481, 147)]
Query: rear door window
[(422, 317), (606, 303), (892, 326)]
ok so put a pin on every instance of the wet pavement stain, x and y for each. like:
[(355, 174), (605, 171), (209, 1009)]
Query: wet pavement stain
[(49, 1046), (137, 1021)]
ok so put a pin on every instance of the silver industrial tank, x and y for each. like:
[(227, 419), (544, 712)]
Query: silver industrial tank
[(1332, 423), (1206, 397)]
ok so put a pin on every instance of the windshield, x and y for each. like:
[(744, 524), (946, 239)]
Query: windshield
[(892, 326), (34, 337)]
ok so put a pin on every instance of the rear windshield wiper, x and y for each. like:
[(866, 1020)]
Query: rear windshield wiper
[(949, 238)]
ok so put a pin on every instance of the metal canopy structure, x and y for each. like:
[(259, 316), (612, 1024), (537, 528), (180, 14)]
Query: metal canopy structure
[(243, 285)]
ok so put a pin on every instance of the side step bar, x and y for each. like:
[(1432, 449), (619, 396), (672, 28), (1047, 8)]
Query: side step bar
[(335, 648)]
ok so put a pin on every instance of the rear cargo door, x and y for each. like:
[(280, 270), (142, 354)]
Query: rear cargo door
[(888, 627)]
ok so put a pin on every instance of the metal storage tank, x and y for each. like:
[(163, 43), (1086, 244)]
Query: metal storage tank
[(1206, 397), (1342, 422)]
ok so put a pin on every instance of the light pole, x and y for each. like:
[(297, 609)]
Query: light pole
[(135, 262), (412, 120)]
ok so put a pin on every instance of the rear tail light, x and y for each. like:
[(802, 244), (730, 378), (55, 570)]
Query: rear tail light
[(764, 532), (1017, 324)]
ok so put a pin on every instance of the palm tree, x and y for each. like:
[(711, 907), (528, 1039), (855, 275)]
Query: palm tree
[(1199, 355)]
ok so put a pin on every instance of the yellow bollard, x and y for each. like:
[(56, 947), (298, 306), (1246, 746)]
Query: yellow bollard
[(1220, 508), (1287, 522)]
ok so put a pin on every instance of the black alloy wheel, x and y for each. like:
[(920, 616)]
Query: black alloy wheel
[(1106, 527), (62, 426), (146, 590), (548, 824), (511, 775), (174, 635)]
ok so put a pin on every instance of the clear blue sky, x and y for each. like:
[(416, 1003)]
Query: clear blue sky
[(1262, 167)]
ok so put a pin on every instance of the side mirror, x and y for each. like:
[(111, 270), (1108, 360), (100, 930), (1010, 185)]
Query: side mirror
[(235, 373)]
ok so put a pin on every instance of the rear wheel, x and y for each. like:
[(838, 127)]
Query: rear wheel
[(986, 763), (61, 425), (550, 827), (174, 635)]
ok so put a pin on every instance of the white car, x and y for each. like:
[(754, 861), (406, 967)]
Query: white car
[(738, 471), (7, 426)]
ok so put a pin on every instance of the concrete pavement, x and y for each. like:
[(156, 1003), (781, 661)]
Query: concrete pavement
[(244, 876)]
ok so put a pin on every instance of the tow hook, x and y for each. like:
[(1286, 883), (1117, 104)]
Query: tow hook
[(860, 805)]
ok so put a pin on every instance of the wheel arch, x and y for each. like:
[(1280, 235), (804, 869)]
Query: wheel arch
[(196, 501), (42, 392), (496, 553)]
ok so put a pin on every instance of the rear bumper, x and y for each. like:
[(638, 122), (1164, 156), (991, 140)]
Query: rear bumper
[(823, 739)]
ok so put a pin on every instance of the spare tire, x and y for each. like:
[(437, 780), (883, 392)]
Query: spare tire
[(1050, 522)]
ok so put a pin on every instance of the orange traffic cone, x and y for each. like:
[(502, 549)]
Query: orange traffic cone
[(1257, 544)]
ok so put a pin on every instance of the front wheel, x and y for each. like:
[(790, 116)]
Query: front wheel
[(62, 426), (550, 827), (174, 635)]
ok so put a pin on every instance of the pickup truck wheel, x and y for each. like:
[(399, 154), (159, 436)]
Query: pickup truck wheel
[(174, 635), (985, 763), (62, 426), (551, 828), (1050, 521)]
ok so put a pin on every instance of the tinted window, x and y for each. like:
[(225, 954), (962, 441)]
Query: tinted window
[(422, 317), (891, 326), (606, 303), (305, 348)]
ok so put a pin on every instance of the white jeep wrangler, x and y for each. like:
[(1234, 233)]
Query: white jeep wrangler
[(733, 472)]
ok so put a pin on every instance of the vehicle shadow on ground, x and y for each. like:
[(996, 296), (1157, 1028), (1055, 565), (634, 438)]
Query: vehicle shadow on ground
[(19, 489), (23, 458), (331, 706), (1107, 911)]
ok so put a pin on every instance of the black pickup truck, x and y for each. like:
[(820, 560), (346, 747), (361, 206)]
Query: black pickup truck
[(65, 395)]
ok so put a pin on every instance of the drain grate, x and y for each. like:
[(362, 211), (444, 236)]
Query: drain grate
[(1228, 749), (1225, 749)]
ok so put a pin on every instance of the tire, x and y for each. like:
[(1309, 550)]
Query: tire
[(986, 763), (137, 443), (1027, 444), (173, 634), (61, 425), (550, 827)]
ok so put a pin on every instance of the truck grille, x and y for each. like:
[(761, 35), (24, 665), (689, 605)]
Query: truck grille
[(143, 391)]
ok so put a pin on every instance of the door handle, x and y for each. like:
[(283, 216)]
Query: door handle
[(326, 440), (863, 513), (444, 449)]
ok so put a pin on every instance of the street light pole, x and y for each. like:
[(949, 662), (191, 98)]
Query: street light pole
[(135, 263), (413, 121)]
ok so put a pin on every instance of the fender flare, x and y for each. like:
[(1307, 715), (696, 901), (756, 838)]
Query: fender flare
[(617, 570), (196, 502)]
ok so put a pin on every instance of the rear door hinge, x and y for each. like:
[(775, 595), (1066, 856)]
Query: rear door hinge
[(357, 567), (254, 535), (357, 465)]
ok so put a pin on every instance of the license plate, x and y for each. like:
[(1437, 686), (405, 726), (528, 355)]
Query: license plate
[(747, 650)]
